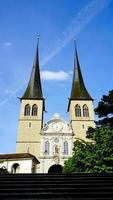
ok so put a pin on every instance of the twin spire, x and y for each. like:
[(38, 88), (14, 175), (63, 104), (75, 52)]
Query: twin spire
[(34, 89), (79, 91)]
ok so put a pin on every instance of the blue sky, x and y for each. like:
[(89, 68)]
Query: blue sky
[(58, 22)]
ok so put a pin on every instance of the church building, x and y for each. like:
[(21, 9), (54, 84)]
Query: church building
[(48, 145)]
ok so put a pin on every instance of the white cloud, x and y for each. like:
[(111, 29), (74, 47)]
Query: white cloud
[(56, 76), (7, 44)]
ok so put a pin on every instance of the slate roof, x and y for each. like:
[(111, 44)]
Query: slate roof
[(78, 91), (34, 89)]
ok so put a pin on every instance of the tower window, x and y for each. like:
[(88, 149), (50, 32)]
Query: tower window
[(29, 124), (46, 147), (15, 168), (77, 111), (85, 111), (66, 147), (27, 110), (34, 110), (83, 126)]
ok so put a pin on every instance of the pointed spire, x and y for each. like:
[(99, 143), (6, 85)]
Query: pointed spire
[(34, 89), (79, 91)]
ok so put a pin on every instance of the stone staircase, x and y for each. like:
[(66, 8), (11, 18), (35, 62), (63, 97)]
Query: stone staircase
[(56, 186)]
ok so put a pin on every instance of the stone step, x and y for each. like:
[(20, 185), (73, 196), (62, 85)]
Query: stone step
[(79, 175), (43, 194), (56, 178), (56, 186), (52, 198), (33, 185), (57, 190)]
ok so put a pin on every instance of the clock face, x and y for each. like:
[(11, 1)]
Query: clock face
[(57, 126), (56, 140)]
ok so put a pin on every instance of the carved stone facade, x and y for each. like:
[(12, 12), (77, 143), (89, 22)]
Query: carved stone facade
[(56, 143)]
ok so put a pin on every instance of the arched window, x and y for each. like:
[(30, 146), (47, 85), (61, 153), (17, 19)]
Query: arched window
[(34, 110), (65, 147), (85, 111), (15, 168), (27, 110), (46, 147), (77, 111)]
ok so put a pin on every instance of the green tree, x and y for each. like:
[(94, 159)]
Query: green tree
[(92, 157), (3, 170), (104, 110)]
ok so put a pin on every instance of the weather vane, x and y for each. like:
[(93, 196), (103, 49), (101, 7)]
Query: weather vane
[(74, 40), (37, 37)]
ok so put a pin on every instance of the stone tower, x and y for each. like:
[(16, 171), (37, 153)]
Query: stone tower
[(80, 106), (31, 113)]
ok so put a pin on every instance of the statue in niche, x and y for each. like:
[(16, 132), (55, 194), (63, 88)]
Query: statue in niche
[(56, 149)]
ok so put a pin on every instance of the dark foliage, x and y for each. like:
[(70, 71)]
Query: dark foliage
[(90, 132), (95, 157), (104, 110), (3, 170)]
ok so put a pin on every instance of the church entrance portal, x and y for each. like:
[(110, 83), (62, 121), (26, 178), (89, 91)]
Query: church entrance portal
[(55, 169)]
